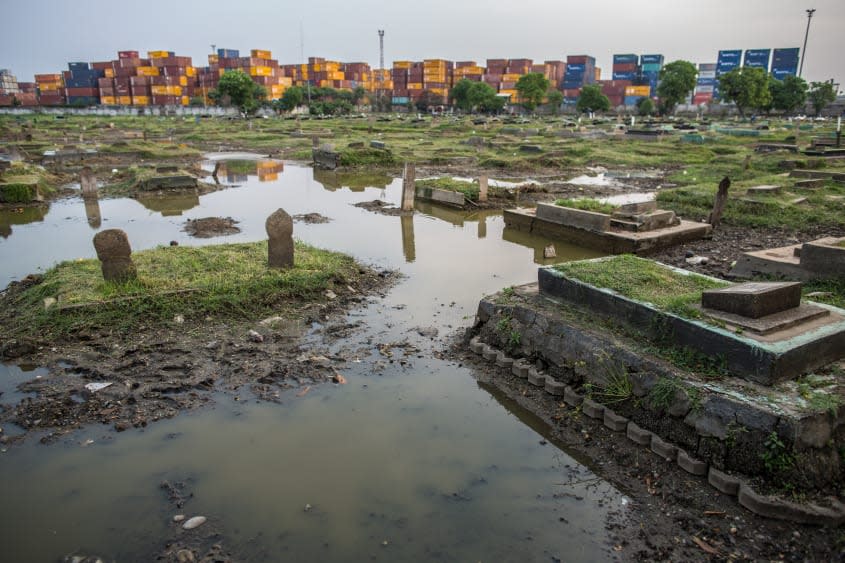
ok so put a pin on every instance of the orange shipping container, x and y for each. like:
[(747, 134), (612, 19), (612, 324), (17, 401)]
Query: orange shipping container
[(260, 71), (186, 100), (108, 100), (147, 71), (643, 91), (261, 54), (124, 100), (190, 71), (140, 100), (109, 73), (157, 54)]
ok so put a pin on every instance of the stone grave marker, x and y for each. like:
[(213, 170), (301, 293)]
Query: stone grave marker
[(482, 187), (279, 228), (408, 186), (115, 255)]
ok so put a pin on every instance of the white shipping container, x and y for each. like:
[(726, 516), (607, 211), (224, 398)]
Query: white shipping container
[(707, 74), (704, 89)]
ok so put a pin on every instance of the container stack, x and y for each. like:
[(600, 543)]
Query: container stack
[(633, 93), (580, 71), (172, 81), (437, 76), (382, 79), (614, 90), (726, 62), (650, 66), (81, 84), (785, 63), (496, 68), (259, 66), (10, 91), (705, 84), (51, 89), (468, 70), (554, 72), (400, 76), (8, 82), (757, 58), (625, 66)]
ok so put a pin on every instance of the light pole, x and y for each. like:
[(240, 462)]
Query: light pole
[(806, 34)]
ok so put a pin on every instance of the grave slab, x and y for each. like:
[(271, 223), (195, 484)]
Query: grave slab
[(763, 190), (753, 300)]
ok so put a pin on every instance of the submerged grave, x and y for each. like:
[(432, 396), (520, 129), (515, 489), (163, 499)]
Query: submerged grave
[(633, 228), (711, 368)]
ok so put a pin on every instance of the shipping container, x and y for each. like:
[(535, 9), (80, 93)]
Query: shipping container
[(158, 54), (127, 55), (757, 58), (627, 58), (228, 53), (78, 66), (704, 67), (261, 54), (639, 91)]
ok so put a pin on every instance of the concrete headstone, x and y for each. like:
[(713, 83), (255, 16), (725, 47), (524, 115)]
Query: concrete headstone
[(755, 299), (409, 179), (88, 182), (279, 227), (482, 187), (115, 255)]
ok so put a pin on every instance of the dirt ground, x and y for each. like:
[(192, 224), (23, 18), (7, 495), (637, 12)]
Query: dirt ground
[(208, 227)]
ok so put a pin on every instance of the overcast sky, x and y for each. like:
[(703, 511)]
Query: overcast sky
[(42, 36)]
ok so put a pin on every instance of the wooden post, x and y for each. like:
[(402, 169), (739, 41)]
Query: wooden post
[(482, 187), (719, 205), (408, 187)]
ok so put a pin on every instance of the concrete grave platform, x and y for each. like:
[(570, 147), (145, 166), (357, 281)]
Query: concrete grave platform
[(448, 197), (784, 352), (595, 230), (821, 258)]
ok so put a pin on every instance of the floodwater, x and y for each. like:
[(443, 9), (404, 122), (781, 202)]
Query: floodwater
[(408, 462)]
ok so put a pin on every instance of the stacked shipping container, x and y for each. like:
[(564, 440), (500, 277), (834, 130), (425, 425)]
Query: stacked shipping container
[(580, 71), (757, 58), (705, 84), (785, 63), (726, 62)]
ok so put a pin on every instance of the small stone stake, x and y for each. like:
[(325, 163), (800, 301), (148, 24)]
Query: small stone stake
[(408, 186), (279, 227), (482, 187), (315, 141), (719, 205), (115, 255), (88, 182)]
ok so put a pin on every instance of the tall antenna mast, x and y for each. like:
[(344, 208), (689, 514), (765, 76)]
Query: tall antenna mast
[(381, 49)]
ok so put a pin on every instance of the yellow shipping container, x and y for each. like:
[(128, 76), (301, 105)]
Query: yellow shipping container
[(108, 100), (109, 73), (325, 84), (190, 71), (140, 100), (147, 71), (213, 59), (157, 54), (285, 81), (511, 77), (186, 100), (167, 90), (260, 71), (331, 66), (402, 64), (50, 86), (261, 54), (174, 90), (183, 81), (337, 75), (644, 91), (159, 90), (124, 100), (415, 86), (440, 91)]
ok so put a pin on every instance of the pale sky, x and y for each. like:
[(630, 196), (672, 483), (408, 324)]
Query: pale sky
[(42, 36)]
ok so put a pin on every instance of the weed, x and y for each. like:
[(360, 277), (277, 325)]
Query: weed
[(587, 204), (618, 386), (776, 458)]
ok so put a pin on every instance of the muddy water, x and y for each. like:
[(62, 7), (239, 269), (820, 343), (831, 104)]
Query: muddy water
[(409, 461)]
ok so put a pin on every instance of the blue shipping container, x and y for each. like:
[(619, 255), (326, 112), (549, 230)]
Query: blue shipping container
[(651, 59), (706, 81), (729, 56), (757, 58), (632, 100), (228, 53), (624, 75), (790, 54), (625, 59), (400, 100), (576, 68), (77, 66)]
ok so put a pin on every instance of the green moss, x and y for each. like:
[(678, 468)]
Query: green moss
[(367, 157), (644, 280), (587, 204), (18, 193)]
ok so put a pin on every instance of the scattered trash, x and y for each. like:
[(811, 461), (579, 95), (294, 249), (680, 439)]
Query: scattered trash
[(97, 386), (178, 517), (696, 260), (304, 391), (331, 294), (338, 378), (549, 252), (194, 522), (178, 319), (256, 336)]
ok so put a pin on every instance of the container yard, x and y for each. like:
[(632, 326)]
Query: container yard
[(164, 79)]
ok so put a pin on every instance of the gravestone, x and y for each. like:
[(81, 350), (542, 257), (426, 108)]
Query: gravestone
[(115, 255), (408, 186), (315, 141), (482, 187), (88, 183), (754, 300), (279, 227)]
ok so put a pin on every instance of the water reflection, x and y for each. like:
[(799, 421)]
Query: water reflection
[(408, 246), (92, 211), (564, 251), (354, 181), (20, 216), (171, 204), (238, 171), (455, 216)]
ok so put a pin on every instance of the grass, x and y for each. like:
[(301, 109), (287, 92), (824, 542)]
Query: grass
[(226, 281), (150, 149), (587, 204), (18, 182), (644, 280)]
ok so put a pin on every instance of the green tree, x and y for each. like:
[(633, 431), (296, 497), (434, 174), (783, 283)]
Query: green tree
[(554, 98), (746, 87), (291, 98), (532, 89), (468, 96), (821, 94), (645, 106), (240, 89), (677, 81), (428, 99), (591, 99), (788, 94), (460, 94), (358, 94)]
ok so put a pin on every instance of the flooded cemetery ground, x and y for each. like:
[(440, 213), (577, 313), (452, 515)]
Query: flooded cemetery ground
[(363, 429)]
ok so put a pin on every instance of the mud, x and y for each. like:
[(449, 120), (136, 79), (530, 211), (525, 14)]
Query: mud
[(208, 227), (311, 218)]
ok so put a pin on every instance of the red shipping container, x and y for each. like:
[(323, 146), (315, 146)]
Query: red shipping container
[(105, 83), (81, 92), (102, 65), (625, 67), (107, 91), (124, 72), (127, 55), (130, 63)]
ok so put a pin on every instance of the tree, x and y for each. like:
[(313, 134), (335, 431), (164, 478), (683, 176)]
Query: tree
[(291, 98), (821, 94), (677, 81), (591, 99), (645, 106), (788, 94), (532, 89), (358, 94), (747, 87), (468, 95), (554, 98), (428, 99), (240, 89)]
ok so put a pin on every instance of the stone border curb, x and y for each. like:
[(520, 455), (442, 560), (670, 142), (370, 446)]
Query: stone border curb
[(762, 505), (615, 422)]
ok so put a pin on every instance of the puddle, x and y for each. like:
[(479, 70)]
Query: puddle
[(416, 455), (602, 180), (11, 376)]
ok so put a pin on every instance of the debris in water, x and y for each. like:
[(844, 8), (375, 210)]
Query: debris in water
[(97, 386), (549, 252), (194, 522)]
